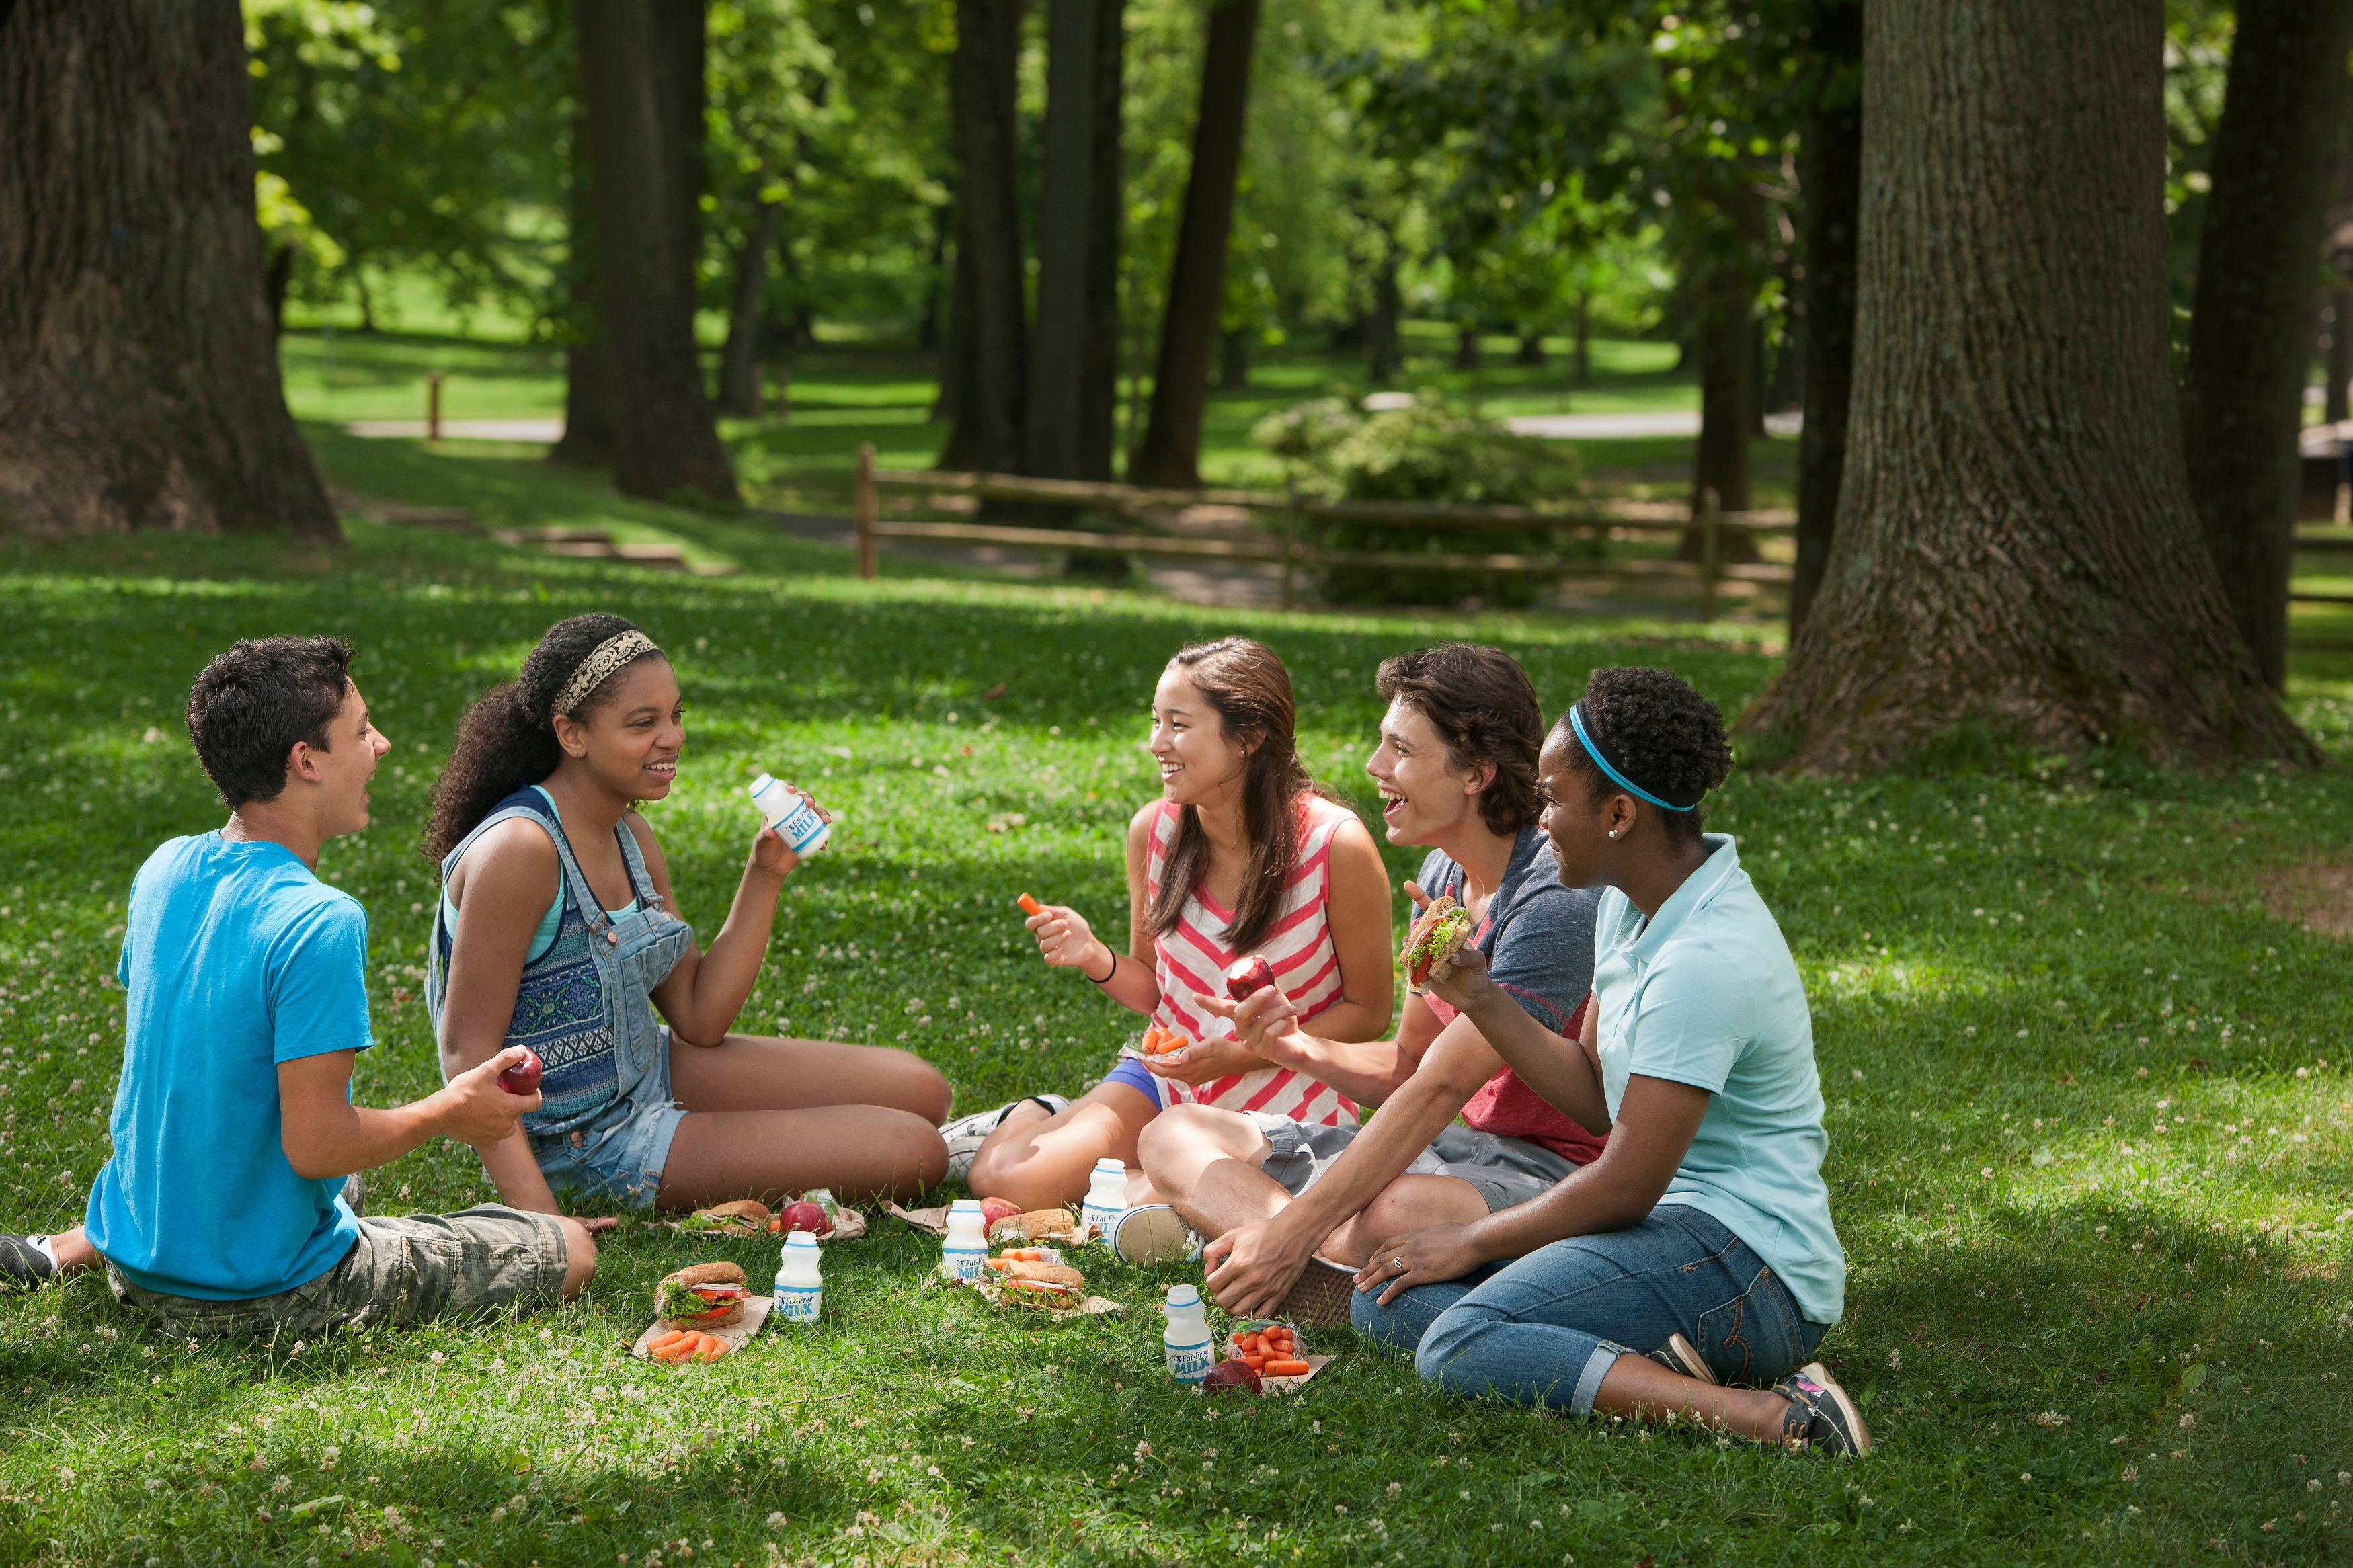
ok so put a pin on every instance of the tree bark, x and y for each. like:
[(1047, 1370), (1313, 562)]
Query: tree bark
[(1106, 213), (639, 72), (1170, 453), (1466, 348), (2337, 362), (739, 362), (588, 398), (2251, 318), (2016, 561), (139, 378), (1829, 190), (1726, 341), (1584, 350), (989, 356), (1058, 358), (1531, 351), (1384, 328), (1234, 357)]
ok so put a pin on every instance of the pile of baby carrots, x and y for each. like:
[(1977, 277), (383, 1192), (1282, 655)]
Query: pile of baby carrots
[(1270, 1352), (1158, 1041), (687, 1344)]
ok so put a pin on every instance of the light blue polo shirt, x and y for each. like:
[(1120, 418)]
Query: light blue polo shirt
[(1705, 994)]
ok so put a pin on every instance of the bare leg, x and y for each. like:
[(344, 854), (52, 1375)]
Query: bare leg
[(1204, 1164), (1407, 1203), (1640, 1387), (579, 1257), (757, 1072), (858, 1151), (1039, 1160), (72, 1251)]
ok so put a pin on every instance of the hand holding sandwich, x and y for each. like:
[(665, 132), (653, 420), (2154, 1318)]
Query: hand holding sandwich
[(1438, 950)]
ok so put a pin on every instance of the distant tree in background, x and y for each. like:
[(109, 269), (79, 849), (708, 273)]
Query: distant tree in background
[(139, 380), (1068, 429), (2271, 165), (1830, 193), (2016, 561), (987, 363)]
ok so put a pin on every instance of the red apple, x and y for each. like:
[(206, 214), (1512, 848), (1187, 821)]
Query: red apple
[(1248, 977), (523, 1077), (994, 1209), (806, 1215), (1232, 1374)]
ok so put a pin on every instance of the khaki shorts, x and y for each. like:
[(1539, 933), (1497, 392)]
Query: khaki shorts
[(405, 1271), (1504, 1171)]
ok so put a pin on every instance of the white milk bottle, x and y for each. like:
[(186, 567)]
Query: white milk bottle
[(1186, 1336), (1106, 1196), (795, 817), (964, 1254), (799, 1289)]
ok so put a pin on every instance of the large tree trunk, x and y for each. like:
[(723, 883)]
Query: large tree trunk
[(1170, 453), (989, 355), (139, 382), (739, 362), (1829, 191), (2251, 323), (2016, 561), (1107, 167), (639, 71), (1065, 224), (2337, 361), (1384, 328), (1728, 381), (588, 415)]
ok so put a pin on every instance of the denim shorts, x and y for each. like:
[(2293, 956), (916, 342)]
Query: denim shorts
[(620, 1151), (1547, 1329), (1504, 1171)]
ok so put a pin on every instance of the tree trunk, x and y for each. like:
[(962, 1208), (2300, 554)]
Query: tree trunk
[(139, 381), (1171, 451), (1107, 167), (990, 358), (2249, 326), (1058, 359), (276, 284), (635, 70), (739, 362), (1234, 357), (1532, 351), (928, 336), (2016, 561), (1584, 339), (1384, 328), (1466, 348), (2337, 365), (1727, 340), (1830, 189), (588, 396)]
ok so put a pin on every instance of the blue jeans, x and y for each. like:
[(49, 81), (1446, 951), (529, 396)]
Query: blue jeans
[(1545, 1329)]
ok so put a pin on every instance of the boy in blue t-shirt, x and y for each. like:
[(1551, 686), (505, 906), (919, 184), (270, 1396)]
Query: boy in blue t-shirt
[(231, 1203)]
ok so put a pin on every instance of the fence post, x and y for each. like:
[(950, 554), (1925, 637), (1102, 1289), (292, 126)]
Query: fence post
[(433, 406), (869, 507), (1710, 544), (1290, 544)]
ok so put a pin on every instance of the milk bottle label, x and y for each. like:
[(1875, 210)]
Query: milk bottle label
[(798, 1303), (1190, 1363)]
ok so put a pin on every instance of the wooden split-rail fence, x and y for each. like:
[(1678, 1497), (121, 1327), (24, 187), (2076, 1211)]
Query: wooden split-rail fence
[(1282, 543)]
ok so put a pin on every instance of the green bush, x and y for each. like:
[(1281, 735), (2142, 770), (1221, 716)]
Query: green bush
[(1426, 452)]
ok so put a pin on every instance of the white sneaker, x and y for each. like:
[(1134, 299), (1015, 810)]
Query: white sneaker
[(965, 1134), (1153, 1234)]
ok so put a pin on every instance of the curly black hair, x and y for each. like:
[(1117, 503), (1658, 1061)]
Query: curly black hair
[(1665, 735), (507, 739), (253, 702)]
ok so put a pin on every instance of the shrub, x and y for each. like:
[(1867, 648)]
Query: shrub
[(1424, 452)]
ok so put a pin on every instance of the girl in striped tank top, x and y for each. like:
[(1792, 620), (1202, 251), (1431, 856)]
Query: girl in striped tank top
[(1238, 857)]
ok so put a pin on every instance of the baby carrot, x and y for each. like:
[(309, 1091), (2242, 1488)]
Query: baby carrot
[(712, 1349), (1287, 1369), (671, 1338), (1031, 906)]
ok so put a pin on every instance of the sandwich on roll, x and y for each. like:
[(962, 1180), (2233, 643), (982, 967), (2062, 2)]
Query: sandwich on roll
[(1437, 934), (744, 1217), (704, 1296)]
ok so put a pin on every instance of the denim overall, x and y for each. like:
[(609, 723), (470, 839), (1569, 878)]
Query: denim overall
[(585, 1006)]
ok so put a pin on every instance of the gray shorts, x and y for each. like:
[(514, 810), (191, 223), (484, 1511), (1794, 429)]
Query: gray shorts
[(404, 1271), (1507, 1171)]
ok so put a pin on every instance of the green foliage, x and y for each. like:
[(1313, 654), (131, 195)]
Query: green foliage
[(1424, 451)]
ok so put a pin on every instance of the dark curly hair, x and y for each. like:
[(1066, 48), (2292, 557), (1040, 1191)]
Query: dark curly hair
[(1484, 708), (507, 739), (253, 702), (1666, 737)]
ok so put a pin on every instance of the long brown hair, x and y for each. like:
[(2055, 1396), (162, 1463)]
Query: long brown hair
[(1250, 690)]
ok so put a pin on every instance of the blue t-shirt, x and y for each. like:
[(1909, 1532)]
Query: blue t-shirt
[(236, 959), (1707, 994)]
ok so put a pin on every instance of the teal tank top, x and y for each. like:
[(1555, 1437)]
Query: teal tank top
[(544, 936)]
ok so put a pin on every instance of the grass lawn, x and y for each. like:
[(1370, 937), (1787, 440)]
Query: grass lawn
[(2088, 1105)]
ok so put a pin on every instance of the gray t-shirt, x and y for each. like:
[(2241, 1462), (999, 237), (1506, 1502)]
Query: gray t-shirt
[(1538, 935)]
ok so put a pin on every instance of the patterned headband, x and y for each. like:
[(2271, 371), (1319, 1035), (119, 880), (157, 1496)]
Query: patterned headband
[(603, 659)]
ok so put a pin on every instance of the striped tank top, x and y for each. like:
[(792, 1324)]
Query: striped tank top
[(1192, 957)]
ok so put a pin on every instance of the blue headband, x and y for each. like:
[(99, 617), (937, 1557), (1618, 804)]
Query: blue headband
[(1593, 749)]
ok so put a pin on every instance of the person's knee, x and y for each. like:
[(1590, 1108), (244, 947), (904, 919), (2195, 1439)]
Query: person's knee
[(1444, 1343), (579, 1257), (923, 1153), (1174, 1146), (922, 1089), (1010, 1165)]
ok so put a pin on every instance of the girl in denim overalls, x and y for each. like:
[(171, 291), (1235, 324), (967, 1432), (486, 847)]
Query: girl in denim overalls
[(556, 931)]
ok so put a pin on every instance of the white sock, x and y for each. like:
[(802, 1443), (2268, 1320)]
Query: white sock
[(46, 1247)]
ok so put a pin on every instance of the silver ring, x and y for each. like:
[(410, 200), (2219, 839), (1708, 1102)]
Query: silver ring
[(1398, 1264)]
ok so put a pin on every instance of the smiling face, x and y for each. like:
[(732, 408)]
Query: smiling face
[(1579, 826), (343, 771), (629, 742), (1198, 763), (1424, 798)]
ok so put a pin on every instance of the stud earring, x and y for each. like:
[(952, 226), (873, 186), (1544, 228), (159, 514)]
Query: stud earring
[(1613, 833)]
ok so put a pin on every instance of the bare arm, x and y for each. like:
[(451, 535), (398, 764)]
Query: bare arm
[(325, 1135), (1368, 1072), (703, 994), (1065, 940), (1567, 1077)]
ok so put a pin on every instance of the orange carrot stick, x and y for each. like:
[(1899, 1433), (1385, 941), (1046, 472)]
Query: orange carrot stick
[(1287, 1369), (1031, 906)]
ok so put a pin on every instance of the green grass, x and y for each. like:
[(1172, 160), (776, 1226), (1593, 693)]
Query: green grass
[(2088, 1163)]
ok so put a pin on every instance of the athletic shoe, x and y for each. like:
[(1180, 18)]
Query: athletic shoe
[(23, 1266), (966, 1134), (1152, 1234), (1678, 1355), (1320, 1299), (1821, 1415)]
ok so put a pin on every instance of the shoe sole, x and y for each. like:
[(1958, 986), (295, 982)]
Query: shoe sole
[(1150, 1237), (1682, 1357), (1321, 1298), (1858, 1434)]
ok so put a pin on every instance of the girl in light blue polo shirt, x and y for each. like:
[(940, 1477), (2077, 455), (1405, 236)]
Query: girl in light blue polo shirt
[(1697, 1252)]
